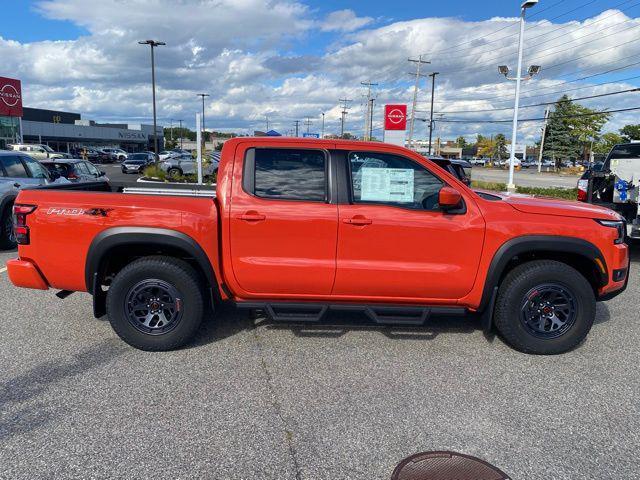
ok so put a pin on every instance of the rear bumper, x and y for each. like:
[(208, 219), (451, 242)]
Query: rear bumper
[(26, 275)]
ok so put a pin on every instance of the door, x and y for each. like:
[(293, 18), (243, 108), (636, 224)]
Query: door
[(283, 225), (16, 171), (394, 242)]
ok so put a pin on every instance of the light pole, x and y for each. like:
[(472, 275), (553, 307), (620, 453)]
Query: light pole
[(322, 125), (504, 70), (204, 139), (153, 44), (181, 134)]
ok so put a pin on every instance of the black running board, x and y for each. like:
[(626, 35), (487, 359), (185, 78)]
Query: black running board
[(380, 314)]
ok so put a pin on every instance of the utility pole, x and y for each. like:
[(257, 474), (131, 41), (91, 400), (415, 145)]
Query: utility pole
[(433, 91), (322, 136), (308, 123), (367, 117), (297, 123), (204, 138), (419, 62), (345, 107), (153, 44), (267, 118), (547, 112), (371, 102), (181, 134)]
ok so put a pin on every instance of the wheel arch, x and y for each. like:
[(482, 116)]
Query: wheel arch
[(6, 201), (113, 248), (578, 253)]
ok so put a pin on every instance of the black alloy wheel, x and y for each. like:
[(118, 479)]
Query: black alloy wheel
[(548, 310)]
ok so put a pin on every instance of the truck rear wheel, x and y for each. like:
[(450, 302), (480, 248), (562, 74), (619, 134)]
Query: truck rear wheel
[(156, 303), (7, 238), (544, 307)]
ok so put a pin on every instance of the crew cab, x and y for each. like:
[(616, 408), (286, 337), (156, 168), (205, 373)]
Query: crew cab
[(300, 227)]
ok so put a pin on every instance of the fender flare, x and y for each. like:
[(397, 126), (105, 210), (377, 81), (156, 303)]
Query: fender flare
[(148, 236), (537, 243)]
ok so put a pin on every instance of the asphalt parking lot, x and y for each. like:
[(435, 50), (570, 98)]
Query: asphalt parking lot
[(254, 400)]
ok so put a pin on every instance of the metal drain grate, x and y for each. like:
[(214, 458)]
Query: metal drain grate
[(446, 466)]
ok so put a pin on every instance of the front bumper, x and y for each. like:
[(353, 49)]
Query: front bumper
[(618, 263), (26, 275)]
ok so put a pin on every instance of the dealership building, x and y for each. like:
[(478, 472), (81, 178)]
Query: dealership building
[(65, 131)]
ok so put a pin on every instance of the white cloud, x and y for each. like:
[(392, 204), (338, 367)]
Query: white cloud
[(243, 53), (344, 21)]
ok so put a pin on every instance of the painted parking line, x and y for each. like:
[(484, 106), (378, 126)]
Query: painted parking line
[(3, 269)]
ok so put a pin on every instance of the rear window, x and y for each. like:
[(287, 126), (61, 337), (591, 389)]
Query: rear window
[(626, 151), (290, 174)]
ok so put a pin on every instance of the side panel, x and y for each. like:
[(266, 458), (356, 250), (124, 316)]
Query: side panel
[(62, 230)]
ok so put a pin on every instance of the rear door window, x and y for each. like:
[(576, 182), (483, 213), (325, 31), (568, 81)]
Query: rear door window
[(289, 174), (626, 151), (13, 166)]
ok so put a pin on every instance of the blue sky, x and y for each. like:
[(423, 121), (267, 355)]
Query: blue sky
[(290, 59)]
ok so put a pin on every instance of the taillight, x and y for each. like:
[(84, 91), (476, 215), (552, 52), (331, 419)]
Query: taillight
[(20, 228), (72, 176), (583, 186)]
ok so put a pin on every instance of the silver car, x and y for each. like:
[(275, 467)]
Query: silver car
[(18, 171), (187, 165)]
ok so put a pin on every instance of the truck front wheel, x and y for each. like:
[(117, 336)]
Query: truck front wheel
[(544, 307), (156, 303)]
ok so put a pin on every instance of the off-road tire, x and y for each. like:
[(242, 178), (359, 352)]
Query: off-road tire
[(5, 242), (513, 291), (176, 273)]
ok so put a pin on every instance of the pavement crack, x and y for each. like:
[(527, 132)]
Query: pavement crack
[(277, 406)]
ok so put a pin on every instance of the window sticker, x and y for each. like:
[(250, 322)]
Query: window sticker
[(387, 185)]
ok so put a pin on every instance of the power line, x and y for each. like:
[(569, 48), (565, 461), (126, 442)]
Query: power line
[(448, 52), (605, 112), (510, 96), (543, 103)]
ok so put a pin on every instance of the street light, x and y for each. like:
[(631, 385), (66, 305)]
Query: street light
[(203, 95), (504, 70), (153, 44)]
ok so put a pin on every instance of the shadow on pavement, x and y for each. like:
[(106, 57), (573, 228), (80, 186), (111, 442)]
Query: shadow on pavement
[(29, 386)]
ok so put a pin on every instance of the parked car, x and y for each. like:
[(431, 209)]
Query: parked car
[(289, 232), (137, 162), (186, 165), (17, 171), (478, 161), (37, 151), (457, 168), (117, 153), (76, 170)]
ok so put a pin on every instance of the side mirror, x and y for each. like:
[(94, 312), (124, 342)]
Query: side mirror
[(449, 199), (102, 174)]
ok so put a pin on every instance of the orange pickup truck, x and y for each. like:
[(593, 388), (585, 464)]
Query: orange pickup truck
[(299, 227)]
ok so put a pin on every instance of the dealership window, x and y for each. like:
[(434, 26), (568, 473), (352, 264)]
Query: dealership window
[(393, 180), (12, 166), (289, 174)]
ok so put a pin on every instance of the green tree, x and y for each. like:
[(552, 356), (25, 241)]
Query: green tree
[(500, 147), (486, 146), (461, 142), (630, 132), (607, 141), (571, 129)]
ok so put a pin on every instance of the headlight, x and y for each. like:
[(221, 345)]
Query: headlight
[(620, 227)]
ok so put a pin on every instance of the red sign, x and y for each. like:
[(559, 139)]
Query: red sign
[(10, 97), (395, 117)]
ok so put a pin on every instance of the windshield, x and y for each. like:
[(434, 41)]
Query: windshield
[(47, 148), (36, 169), (138, 156)]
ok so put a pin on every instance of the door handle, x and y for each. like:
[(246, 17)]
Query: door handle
[(252, 217), (357, 221)]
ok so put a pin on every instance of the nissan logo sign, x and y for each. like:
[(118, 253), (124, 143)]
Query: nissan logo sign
[(9, 95), (395, 116)]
